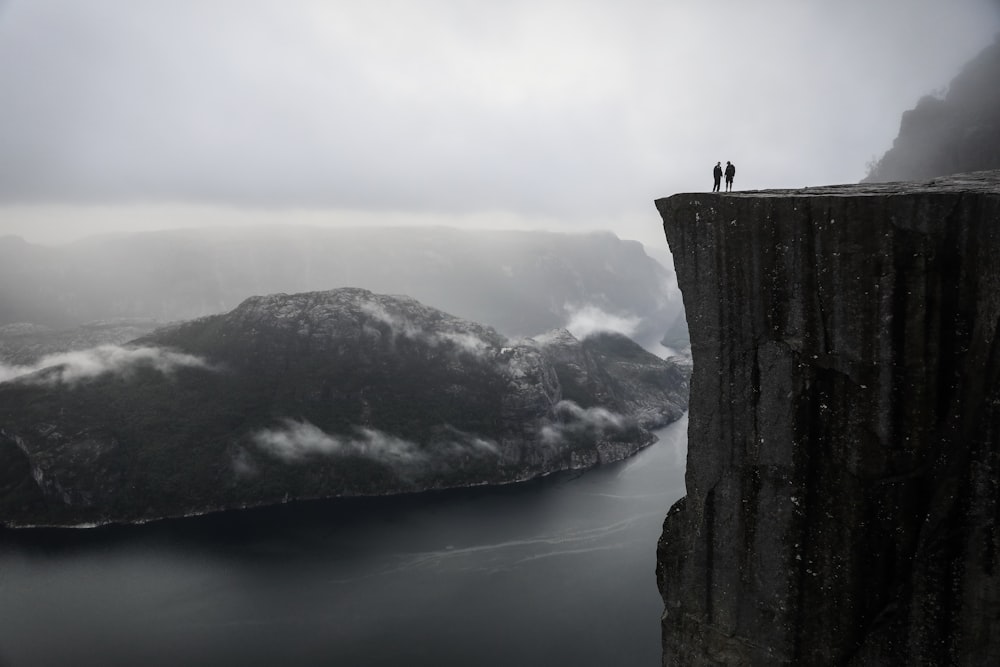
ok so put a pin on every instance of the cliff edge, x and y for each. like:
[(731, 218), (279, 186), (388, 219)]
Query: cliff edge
[(843, 465)]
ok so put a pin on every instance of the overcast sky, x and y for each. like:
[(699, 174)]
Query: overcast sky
[(549, 114)]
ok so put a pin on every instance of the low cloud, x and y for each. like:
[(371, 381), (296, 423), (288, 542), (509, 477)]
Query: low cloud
[(400, 326), (80, 365), (467, 342), (574, 421), (461, 341), (243, 464), (462, 444), (583, 321), (296, 440)]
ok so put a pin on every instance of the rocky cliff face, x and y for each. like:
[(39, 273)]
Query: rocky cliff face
[(957, 132), (313, 395), (844, 440)]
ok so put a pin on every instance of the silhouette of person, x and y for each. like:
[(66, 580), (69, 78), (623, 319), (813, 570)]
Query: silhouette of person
[(730, 174), (717, 174)]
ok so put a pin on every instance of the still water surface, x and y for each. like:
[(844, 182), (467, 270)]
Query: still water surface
[(559, 571)]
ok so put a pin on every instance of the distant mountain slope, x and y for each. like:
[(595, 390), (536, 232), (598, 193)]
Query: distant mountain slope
[(954, 134), (319, 394), (24, 344), (520, 282)]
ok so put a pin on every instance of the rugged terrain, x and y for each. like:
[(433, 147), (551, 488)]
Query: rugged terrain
[(319, 394), (844, 439), (958, 131)]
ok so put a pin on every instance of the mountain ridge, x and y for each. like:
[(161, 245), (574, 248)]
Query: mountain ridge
[(339, 392), (521, 282)]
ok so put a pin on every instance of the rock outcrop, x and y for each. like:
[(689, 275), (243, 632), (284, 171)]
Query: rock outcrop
[(844, 439), (313, 395), (957, 132)]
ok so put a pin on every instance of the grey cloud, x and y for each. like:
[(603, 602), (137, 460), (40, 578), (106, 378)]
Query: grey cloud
[(77, 366), (458, 443), (295, 440), (399, 326), (574, 420), (583, 321), (583, 111), (243, 464), (467, 342), (461, 341)]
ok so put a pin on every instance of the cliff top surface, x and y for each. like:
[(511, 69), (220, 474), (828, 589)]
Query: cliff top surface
[(982, 182)]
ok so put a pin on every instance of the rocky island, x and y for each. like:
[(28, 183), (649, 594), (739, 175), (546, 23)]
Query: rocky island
[(843, 471), (314, 395)]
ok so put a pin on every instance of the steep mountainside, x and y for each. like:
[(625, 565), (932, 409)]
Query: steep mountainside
[(318, 394), (520, 282), (844, 439), (957, 133), (23, 344)]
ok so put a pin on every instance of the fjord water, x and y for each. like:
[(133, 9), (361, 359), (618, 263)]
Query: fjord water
[(554, 571)]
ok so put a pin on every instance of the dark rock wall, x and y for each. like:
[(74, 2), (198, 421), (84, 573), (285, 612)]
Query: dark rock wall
[(958, 132), (842, 480)]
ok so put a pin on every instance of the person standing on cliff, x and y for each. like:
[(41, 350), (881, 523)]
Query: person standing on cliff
[(730, 174), (717, 174)]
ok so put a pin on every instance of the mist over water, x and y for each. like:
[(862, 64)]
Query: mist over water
[(556, 571)]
